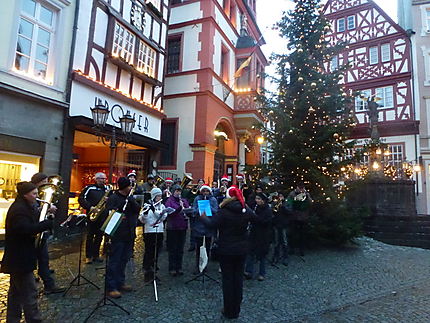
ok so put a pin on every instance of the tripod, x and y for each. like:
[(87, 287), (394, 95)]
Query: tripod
[(105, 300), (76, 282), (202, 276), (154, 279)]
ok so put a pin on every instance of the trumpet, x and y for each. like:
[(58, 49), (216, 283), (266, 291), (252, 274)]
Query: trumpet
[(195, 190)]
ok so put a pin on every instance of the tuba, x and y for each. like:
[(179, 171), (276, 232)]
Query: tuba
[(48, 194), (187, 179), (94, 214)]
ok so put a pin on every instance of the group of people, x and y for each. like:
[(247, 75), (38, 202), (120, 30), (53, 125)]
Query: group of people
[(241, 227)]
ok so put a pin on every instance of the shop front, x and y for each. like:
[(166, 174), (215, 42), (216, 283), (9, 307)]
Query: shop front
[(109, 149)]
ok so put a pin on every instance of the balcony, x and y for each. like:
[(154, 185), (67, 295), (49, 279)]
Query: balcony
[(246, 109)]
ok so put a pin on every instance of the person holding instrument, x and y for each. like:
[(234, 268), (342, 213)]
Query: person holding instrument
[(43, 270), (122, 240), (20, 255), (177, 224), (89, 198)]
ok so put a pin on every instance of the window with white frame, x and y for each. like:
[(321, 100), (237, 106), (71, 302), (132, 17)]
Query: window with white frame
[(146, 59), (396, 155), (361, 100), (385, 94), (428, 20), (386, 52), (36, 29), (351, 22), (334, 63), (373, 55), (123, 43), (341, 25), (155, 3)]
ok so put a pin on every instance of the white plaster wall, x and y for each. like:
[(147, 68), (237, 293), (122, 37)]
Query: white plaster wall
[(9, 20), (185, 110), (219, 42), (225, 25), (187, 12), (156, 31), (124, 83), (160, 68), (180, 84), (101, 27), (110, 78), (116, 4), (191, 46)]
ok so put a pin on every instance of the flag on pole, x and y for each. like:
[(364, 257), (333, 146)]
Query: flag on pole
[(242, 67)]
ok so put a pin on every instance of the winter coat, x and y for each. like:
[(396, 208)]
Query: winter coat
[(126, 230), (177, 220), (299, 209), (91, 195), (282, 216), (151, 217), (199, 228), (21, 228), (232, 226), (261, 230)]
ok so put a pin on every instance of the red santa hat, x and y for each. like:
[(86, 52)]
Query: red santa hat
[(205, 187), (225, 178), (233, 191), (168, 180), (132, 173), (240, 176)]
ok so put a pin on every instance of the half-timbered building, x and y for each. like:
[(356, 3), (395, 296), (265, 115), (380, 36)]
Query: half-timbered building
[(118, 64), (379, 55), (215, 69)]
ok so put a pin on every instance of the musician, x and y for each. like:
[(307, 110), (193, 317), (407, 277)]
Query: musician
[(132, 176), (259, 238), (177, 224), (225, 180), (251, 198), (43, 271), (199, 229), (167, 188), (153, 216), (147, 187), (191, 196), (121, 246), (88, 199), (20, 255), (241, 184), (280, 229), (299, 202)]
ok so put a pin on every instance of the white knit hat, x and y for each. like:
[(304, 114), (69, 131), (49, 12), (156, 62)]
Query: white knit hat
[(155, 191), (205, 187)]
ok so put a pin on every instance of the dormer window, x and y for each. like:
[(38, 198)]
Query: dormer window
[(341, 25)]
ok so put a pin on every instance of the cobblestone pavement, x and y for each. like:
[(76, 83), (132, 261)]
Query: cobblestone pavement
[(371, 282)]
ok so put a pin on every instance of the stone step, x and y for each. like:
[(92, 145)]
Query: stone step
[(408, 243), (400, 236), (397, 228)]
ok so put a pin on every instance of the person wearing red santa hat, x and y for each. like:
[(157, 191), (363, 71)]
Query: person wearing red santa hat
[(225, 184), (167, 188), (132, 176), (232, 222)]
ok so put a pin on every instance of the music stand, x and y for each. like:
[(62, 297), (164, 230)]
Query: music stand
[(202, 276), (105, 300), (76, 282), (154, 279)]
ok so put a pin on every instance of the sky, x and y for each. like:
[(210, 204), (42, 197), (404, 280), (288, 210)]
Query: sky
[(270, 11)]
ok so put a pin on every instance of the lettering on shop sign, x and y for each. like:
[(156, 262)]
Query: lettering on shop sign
[(117, 111)]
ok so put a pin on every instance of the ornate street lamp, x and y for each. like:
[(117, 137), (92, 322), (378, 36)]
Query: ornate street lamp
[(100, 115), (127, 123)]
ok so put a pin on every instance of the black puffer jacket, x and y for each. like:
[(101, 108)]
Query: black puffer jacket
[(232, 225), (261, 230), (21, 228), (126, 230)]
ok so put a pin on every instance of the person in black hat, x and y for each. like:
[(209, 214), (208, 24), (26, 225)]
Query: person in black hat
[(122, 239), (19, 259), (147, 187), (43, 270)]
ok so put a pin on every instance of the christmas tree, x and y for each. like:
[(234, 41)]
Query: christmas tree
[(309, 118)]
